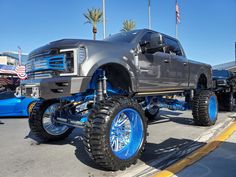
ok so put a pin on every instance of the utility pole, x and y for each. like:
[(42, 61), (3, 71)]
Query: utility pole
[(19, 55), (149, 14), (235, 51), (177, 18), (176, 30), (104, 18)]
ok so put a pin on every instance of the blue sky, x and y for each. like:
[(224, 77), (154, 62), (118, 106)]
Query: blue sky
[(207, 30)]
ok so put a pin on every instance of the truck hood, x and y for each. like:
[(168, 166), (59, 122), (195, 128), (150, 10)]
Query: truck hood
[(55, 46), (219, 77)]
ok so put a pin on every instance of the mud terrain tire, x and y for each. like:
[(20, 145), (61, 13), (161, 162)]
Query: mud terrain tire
[(107, 124)]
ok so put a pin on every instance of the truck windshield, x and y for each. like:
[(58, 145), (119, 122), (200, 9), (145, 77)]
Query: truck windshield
[(221, 73), (123, 37)]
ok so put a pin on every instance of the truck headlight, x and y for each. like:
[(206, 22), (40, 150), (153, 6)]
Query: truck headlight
[(81, 54)]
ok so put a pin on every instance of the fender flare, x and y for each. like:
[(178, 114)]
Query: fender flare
[(131, 70)]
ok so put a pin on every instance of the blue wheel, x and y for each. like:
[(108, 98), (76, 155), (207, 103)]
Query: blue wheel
[(205, 108), (126, 133), (212, 107), (115, 134)]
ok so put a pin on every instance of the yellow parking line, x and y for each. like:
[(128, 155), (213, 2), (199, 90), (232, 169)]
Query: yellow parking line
[(198, 154)]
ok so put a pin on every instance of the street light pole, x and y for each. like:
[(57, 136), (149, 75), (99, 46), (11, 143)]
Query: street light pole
[(235, 51), (149, 14), (104, 18)]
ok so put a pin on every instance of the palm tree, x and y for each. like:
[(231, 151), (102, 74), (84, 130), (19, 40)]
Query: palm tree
[(128, 25), (93, 16)]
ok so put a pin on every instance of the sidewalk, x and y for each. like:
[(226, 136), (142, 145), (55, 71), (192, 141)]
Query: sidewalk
[(215, 159), (221, 162)]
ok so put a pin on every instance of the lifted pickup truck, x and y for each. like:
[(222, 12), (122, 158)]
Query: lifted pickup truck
[(225, 88), (111, 87)]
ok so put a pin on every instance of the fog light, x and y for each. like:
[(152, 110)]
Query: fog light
[(18, 92), (35, 92), (23, 91)]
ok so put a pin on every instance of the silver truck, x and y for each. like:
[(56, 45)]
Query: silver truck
[(111, 87)]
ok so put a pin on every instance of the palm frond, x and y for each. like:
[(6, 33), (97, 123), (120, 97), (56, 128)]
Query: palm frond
[(128, 25), (93, 16)]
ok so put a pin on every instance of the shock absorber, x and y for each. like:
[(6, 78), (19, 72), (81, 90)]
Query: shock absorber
[(101, 90), (104, 83)]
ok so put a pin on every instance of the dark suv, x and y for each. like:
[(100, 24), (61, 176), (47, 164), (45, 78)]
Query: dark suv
[(225, 88)]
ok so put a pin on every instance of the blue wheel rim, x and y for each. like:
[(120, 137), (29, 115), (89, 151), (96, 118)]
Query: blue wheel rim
[(212, 108), (126, 133)]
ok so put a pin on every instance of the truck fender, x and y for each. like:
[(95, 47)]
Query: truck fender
[(129, 68), (205, 72)]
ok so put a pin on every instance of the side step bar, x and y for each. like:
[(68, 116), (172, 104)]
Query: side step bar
[(157, 92)]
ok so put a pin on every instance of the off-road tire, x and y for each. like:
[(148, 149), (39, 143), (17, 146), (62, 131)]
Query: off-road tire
[(36, 125), (200, 111), (226, 101), (150, 116), (97, 133), (189, 99)]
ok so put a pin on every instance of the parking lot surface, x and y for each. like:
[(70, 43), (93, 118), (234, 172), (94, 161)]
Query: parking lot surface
[(171, 137)]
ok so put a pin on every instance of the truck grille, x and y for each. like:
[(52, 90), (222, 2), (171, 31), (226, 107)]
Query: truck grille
[(50, 64), (41, 75), (221, 82), (43, 53), (46, 63)]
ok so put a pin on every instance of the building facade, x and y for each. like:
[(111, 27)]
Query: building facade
[(11, 58), (231, 66)]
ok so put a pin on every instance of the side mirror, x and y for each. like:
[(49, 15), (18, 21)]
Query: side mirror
[(156, 41)]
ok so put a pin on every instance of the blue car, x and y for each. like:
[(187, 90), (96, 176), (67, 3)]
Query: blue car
[(13, 106)]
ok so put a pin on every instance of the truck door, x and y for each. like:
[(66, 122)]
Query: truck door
[(154, 65), (179, 71)]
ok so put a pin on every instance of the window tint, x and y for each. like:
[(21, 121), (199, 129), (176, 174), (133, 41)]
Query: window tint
[(145, 43), (173, 46), (147, 37), (221, 73), (123, 37)]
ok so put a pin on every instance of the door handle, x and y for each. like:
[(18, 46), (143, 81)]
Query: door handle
[(185, 64), (166, 61)]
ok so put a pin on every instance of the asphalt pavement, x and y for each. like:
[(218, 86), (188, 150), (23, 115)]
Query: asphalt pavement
[(171, 137)]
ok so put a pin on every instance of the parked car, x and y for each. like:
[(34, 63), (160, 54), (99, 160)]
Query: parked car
[(9, 104), (225, 88), (13, 106)]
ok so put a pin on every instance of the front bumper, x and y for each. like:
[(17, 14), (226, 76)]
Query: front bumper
[(52, 87)]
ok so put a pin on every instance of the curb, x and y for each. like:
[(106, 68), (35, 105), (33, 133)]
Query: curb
[(198, 154)]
